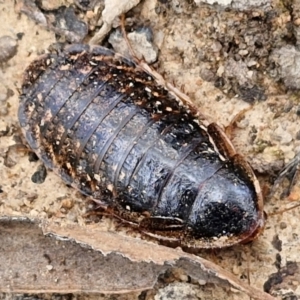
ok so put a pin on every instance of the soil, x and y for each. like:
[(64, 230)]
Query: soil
[(226, 60)]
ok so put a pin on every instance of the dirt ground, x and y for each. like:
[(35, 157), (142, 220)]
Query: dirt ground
[(226, 60)]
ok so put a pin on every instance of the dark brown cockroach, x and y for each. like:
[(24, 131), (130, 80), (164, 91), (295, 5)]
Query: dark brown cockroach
[(107, 128)]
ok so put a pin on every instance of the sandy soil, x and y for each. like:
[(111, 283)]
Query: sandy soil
[(220, 58)]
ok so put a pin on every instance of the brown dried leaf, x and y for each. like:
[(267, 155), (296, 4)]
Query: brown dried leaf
[(86, 259)]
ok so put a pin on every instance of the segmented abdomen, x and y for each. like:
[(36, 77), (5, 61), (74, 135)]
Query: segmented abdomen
[(106, 127)]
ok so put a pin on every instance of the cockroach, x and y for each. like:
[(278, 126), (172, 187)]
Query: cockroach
[(107, 127)]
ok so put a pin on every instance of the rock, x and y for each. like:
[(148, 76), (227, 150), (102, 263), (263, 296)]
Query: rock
[(288, 60), (8, 48), (140, 42)]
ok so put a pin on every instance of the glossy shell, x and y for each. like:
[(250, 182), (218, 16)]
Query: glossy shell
[(107, 128)]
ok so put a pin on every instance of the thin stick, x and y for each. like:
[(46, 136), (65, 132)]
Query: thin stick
[(132, 53)]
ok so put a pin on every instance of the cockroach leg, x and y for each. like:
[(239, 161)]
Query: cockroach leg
[(232, 125)]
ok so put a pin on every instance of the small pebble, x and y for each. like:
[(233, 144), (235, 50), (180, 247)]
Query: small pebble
[(3, 93), (69, 24), (40, 175), (8, 48), (202, 282), (282, 136), (87, 5), (243, 52), (251, 63), (283, 225), (216, 46), (236, 270), (3, 100), (49, 267), (207, 75), (67, 203), (288, 59), (50, 5), (140, 42)]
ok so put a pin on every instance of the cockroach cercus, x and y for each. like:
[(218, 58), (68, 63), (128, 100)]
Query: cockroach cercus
[(108, 128)]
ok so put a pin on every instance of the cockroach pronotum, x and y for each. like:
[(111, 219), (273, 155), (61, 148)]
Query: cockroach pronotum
[(107, 128)]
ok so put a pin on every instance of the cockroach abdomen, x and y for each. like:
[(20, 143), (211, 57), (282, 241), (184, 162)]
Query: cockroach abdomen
[(106, 127)]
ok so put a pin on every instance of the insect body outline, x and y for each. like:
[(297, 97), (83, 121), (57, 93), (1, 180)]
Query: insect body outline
[(107, 128)]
